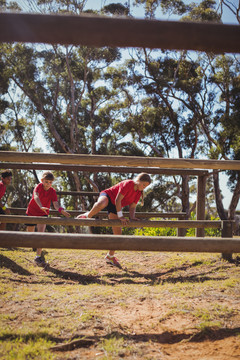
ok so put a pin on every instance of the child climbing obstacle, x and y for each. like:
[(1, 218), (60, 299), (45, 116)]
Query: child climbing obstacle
[(127, 192), (43, 195)]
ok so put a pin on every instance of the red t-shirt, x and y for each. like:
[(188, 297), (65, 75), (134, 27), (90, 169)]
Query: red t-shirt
[(2, 189), (126, 188), (45, 197)]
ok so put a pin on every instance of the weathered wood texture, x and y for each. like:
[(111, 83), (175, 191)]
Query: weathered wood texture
[(132, 161), (18, 219), (227, 231), (201, 194), (78, 193), (118, 242), (119, 32), (108, 169), (177, 215)]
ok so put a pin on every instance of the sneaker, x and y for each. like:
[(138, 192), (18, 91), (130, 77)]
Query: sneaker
[(39, 261), (112, 260)]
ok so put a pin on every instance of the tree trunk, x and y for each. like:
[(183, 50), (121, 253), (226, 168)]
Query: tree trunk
[(185, 196), (234, 201), (218, 197), (185, 202)]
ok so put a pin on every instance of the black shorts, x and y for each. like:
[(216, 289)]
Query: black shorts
[(2, 212), (34, 224), (110, 208)]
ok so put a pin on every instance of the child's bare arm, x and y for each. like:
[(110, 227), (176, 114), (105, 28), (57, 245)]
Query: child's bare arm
[(132, 209), (60, 209), (38, 202), (119, 209)]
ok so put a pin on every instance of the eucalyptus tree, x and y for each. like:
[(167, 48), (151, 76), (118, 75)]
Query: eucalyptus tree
[(179, 105), (174, 97), (66, 91), (223, 131)]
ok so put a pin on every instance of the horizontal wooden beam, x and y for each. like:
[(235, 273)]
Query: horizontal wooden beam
[(18, 219), (178, 215), (101, 31), (134, 161), (118, 242), (78, 193), (107, 169)]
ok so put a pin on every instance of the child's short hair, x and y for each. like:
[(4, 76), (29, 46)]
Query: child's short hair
[(6, 173), (47, 175), (143, 177)]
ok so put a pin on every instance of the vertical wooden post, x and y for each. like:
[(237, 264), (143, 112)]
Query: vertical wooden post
[(181, 231), (227, 231), (201, 194)]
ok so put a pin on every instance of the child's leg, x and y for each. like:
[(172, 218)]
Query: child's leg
[(40, 228), (101, 203), (30, 228), (116, 229)]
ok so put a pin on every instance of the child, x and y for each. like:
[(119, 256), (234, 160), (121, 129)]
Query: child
[(6, 180), (39, 205), (127, 192)]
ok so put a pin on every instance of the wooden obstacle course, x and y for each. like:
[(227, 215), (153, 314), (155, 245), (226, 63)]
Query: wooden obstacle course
[(118, 242), (16, 219), (101, 214), (108, 31), (101, 168), (100, 162), (132, 161)]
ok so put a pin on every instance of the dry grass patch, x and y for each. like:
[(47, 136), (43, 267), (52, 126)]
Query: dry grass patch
[(160, 306)]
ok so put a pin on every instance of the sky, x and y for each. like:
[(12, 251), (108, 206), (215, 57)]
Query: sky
[(228, 18)]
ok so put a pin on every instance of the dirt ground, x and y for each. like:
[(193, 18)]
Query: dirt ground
[(159, 306)]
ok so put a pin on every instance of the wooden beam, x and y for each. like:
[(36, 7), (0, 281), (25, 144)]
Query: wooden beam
[(133, 161), (101, 31), (78, 193), (107, 169), (117, 242), (201, 194), (227, 231), (178, 215), (18, 219)]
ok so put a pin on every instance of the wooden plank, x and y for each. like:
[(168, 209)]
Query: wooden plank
[(133, 161), (178, 215), (117, 242), (18, 219), (78, 193), (107, 169), (101, 31), (227, 231), (201, 194)]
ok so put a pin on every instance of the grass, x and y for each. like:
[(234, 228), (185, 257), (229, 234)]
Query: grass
[(160, 299)]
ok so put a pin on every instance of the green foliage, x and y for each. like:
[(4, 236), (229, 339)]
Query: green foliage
[(115, 9), (176, 6), (205, 11), (113, 346), (155, 231), (26, 346), (208, 232)]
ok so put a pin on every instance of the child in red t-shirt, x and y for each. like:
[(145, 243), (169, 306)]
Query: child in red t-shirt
[(43, 195), (6, 180), (127, 192)]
